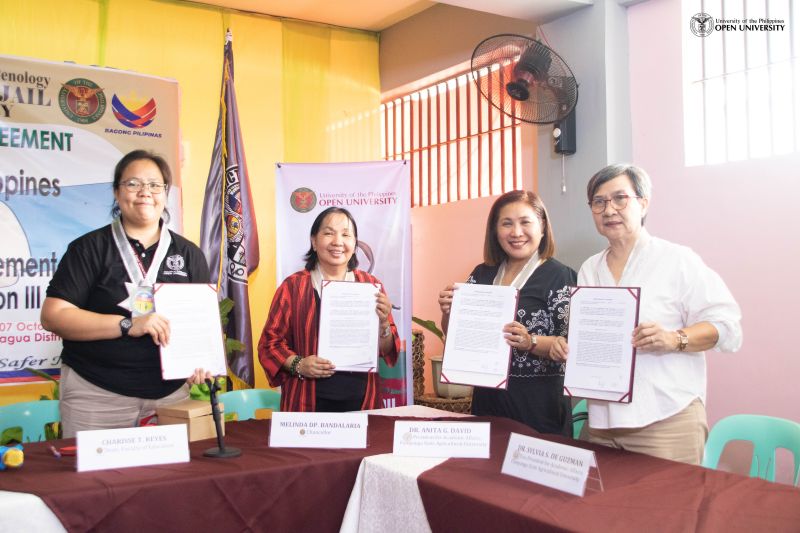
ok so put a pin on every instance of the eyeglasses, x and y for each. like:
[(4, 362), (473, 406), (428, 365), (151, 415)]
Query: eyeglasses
[(618, 202), (154, 187)]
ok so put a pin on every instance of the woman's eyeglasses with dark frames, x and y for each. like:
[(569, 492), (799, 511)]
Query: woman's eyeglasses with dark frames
[(152, 186), (618, 202)]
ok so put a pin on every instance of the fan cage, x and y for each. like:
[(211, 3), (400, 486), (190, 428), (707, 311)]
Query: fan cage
[(507, 66)]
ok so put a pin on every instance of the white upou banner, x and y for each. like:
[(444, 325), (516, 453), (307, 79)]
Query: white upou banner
[(63, 127), (377, 195)]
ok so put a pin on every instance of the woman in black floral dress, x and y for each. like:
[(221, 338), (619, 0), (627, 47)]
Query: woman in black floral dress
[(518, 251)]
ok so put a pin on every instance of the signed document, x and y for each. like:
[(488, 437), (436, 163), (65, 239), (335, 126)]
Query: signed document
[(476, 352), (195, 339), (348, 325), (601, 357)]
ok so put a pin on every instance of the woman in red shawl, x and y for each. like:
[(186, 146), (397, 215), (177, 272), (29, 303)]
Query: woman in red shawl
[(288, 346)]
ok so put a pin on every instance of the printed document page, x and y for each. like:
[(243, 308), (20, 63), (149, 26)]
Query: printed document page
[(601, 357), (476, 352), (348, 325), (195, 339)]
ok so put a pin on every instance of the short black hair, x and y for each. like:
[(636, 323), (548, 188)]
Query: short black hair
[(311, 256), (138, 155)]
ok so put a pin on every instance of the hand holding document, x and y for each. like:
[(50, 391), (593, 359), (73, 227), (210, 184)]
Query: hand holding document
[(601, 357), (476, 352), (195, 331), (348, 325)]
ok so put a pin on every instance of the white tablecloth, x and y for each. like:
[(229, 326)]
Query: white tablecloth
[(21, 512), (418, 411), (385, 496)]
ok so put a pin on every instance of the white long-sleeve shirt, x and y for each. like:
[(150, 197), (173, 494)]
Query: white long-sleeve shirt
[(678, 290)]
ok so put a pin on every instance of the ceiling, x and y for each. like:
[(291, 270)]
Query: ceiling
[(377, 15)]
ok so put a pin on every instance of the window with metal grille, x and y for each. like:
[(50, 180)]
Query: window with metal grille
[(742, 91), (458, 145)]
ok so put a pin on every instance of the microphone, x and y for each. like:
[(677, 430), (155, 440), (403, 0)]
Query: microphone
[(220, 452)]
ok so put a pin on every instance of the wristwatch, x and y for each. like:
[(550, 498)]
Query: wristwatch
[(534, 342), (125, 326), (386, 331), (683, 340)]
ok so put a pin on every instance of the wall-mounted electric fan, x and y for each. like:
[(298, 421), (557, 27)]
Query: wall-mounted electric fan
[(527, 80), (524, 78)]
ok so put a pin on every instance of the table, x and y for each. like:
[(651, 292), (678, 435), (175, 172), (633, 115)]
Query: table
[(266, 488), (321, 490), (641, 493), (179, 491), (385, 495)]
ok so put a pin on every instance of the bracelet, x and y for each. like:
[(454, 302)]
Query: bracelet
[(386, 331), (294, 369)]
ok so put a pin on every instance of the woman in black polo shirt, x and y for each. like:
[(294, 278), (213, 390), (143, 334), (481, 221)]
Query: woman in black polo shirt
[(100, 301)]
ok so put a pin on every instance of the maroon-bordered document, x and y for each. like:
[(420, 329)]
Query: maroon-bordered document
[(601, 357), (475, 351)]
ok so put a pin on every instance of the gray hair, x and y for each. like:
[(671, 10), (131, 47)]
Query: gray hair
[(640, 181)]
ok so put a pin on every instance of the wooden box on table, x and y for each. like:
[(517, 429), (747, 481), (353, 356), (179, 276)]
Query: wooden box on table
[(196, 414)]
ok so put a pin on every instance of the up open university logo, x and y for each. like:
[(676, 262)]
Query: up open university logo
[(701, 24), (303, 200)]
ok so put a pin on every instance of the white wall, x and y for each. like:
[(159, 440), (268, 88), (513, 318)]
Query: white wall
[(740, 218), (593, 43)]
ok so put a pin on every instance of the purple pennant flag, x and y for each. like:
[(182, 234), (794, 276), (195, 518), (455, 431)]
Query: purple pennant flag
[(228, 233)]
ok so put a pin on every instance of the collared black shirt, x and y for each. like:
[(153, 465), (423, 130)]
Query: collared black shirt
[(91, 276)]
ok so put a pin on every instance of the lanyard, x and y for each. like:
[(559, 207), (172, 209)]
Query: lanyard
[(140, 290), (133, 265)]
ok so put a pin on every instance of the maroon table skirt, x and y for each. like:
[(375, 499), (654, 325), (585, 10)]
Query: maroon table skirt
[(642, 493), (276, 489)]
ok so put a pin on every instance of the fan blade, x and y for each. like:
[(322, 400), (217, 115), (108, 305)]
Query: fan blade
[(534, 62), (524, 78)]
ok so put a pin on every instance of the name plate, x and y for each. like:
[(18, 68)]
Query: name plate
[(442, 439), (318, 430), (553, 465), (121, 448)]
